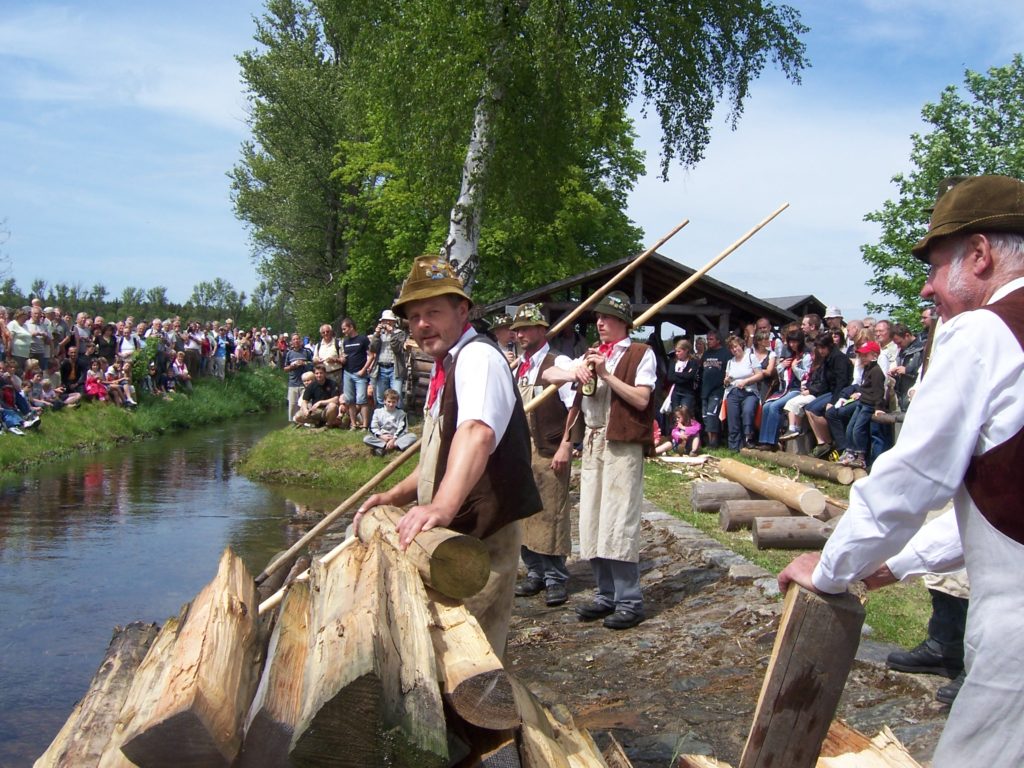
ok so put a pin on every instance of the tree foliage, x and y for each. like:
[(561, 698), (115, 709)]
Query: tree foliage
[(977, 131)]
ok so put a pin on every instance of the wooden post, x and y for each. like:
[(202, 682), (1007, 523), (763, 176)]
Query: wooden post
[(797, 532), (198, 717), (453, 563), (473, 680), (270, 724), (371, 695), (738, 514), (800, 497), (89, 728), (814, 651), (708, 497), (809, 465)]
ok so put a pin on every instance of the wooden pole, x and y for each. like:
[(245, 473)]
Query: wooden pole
[(813, 654), (809, 465), (737, 514), (800, 497)]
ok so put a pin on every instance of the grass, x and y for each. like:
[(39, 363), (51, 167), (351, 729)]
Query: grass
[(898, 614), (98, 426), (327, 458)]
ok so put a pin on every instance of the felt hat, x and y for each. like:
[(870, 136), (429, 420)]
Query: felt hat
[(832, 312), (430, 276), (527, 315), (616, 304), (974, 204)]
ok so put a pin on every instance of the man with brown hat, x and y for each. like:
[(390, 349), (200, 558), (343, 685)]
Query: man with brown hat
[(619, 416), (474, 471), (547, 536), (962, 439)]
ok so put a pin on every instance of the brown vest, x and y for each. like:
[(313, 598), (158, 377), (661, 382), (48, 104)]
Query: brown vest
[(547, 420), (990, 477), (627, 424), (506, 491)]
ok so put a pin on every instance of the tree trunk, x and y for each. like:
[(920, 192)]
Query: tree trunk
[(798, 532), (737, 514), (809, 465), (802, 498), (708, 497)]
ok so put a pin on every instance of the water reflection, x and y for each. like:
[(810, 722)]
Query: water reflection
[(103, 540)]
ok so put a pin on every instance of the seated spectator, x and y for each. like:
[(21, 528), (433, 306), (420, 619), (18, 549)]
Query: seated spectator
[(56, 397), (869, 396), (151, 384), (319, 405), (72, 372), (179, 372), (812, 386), (838, 375), (767, 360), (792, 369), (685, 434), (742, 373), (389, 427), (115, 381), (10, 416)]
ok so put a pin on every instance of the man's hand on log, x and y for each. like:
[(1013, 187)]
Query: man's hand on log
[(374, 501), (799, 571), (422, 518)]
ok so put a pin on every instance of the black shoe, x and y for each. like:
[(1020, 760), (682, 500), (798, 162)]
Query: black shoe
[(926, 657), (749, 443), (623, 620), (556, 594), (594, 610), (529, 587), (947, 693), (821, 451)]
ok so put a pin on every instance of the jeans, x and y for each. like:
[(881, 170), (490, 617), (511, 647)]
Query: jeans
[(355, 388), (771, 417), (839, 420), (860, 428), (741, 410), (386, 380)]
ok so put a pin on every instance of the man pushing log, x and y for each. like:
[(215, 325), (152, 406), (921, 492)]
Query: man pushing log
[(474, 473)]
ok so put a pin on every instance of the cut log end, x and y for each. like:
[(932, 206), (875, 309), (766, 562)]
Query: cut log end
[(162, 745), (487, 700), (460, 567)]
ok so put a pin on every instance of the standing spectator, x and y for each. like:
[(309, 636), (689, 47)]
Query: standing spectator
[(328, 350), (193, 348), (907, 364), (358, 362), (742, 373), (106, 344), (712, 385), (219, 358), (21, 337), (388, 344), (683, 376), (811, 326), (128, 342), (928, 318), (42, 336), (5, 334), (297, 360)]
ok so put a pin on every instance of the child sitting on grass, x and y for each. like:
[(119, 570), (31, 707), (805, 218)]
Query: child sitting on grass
[(389, 428), (685, 434)]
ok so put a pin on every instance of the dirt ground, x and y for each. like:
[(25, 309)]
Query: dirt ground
[(687, 679)]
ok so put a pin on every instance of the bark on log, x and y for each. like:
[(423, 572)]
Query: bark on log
[(198, 716), (150, 678), (814, 651), (708, 497), (809, 465), (370, 654), (800, 497), (473, 680), (798, 532), (270, 724), (737, 515), (88, 730), (454, 564)]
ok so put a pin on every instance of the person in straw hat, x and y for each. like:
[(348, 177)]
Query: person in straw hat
[(388, 343), (500, 327), (474, 471), (547, 536), (619, 418), (963, 438)]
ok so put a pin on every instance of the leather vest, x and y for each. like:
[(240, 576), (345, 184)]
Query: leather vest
[(627, 424), (547, 420)]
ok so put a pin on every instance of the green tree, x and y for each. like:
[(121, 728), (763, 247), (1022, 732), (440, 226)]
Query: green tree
[(977, 131), (156, 300)]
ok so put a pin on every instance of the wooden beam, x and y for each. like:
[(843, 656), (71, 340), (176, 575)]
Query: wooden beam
[(88, 730), (797, 496), (814, 651), (198, 717)]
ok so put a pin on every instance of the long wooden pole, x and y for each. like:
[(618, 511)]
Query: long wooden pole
[(409, 452)]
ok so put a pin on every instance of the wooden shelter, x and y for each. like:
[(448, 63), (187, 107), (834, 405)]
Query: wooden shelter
[(808, 304), (709, 305)]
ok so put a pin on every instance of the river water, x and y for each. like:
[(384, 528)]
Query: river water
[(102, 540)]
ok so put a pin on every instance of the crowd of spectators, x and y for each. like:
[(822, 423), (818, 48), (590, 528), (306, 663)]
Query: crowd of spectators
[(53, 360), (825, 378)]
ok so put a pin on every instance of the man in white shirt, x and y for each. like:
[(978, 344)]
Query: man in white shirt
[(962, 439)]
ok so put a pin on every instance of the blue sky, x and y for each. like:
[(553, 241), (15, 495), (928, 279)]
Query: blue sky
[(121, 120)]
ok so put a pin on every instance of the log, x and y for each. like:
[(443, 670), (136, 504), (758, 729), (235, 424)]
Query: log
[(800, 497), (798, 532), (150, 677), (87, 731), (474, 682), (199, 713), (614, 754), (281, 576), (845, 747), (708, 497), (808, 465), (270, 724), (737, 514), (577, 742), (700, 761), (814, 651), (547, 743), (371, 695), (454, 564), (489, 749)]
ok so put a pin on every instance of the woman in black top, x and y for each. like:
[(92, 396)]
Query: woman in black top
[(106, 344)]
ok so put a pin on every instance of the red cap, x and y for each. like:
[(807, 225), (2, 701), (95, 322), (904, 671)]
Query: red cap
[(869, 347)]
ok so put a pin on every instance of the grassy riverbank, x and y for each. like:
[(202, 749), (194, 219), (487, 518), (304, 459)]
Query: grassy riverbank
[(898, 614), (96, 426), (322, 458)]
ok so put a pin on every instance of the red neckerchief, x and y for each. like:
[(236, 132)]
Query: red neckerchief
[(437, 375), (524, 368), (606, 349)]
